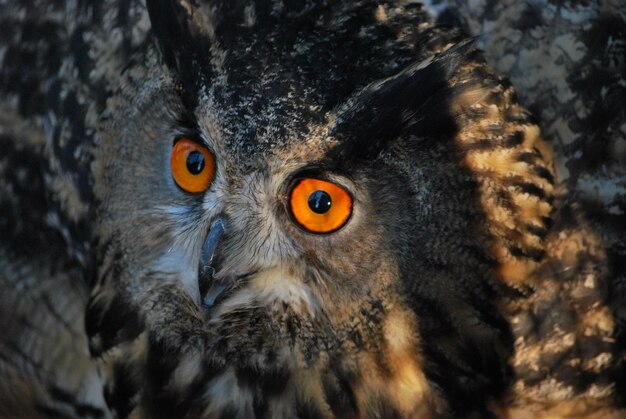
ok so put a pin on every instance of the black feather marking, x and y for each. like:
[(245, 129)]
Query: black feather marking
[(69, 401), (229, 412), (468, 375), (515, 139), (123, 389), (307, 409), (271, 382), (260, 407), (402, 104), (170, 28), (539, 231), (543, 173), (528, 187), (338, 392), (183, 47), (527, 157), (529, 252), (114, 323), (481, 145)]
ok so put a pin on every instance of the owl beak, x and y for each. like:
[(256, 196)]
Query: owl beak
[(210, 290)]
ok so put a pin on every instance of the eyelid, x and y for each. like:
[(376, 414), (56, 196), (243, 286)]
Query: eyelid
[(198, 139)]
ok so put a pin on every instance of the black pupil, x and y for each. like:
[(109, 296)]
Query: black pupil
[(320, 202), (195, 162)]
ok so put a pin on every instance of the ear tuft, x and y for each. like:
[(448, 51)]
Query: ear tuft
[(391, 107), (183, 45)]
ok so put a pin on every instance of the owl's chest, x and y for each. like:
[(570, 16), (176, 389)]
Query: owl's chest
[(291, 366), (357, 387)]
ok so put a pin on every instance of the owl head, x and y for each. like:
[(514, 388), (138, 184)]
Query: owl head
[(310, 208)]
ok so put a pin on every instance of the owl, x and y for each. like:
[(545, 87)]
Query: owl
[(286, 209)]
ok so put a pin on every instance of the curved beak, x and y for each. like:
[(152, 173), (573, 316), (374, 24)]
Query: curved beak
[(210, 291)]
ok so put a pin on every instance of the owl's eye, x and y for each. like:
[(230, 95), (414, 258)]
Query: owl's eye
[(320, 206), (193, 166)]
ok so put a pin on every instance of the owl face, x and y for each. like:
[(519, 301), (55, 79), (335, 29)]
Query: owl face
[(294, 225), (214, 146), (286, 220)]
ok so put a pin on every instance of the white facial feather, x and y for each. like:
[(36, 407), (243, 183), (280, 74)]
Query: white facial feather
[(271, 288), (184, 265)]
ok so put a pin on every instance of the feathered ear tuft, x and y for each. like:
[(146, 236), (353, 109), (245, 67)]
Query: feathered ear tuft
[(416, 101), (183, 44)]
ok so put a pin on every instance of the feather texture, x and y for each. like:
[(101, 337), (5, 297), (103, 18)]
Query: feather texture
[(477, 275)]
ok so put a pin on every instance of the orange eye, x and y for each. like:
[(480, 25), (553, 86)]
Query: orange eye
[(193, 166), (320, 206)]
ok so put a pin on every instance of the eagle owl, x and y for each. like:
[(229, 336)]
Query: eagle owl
[(285, 209)]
